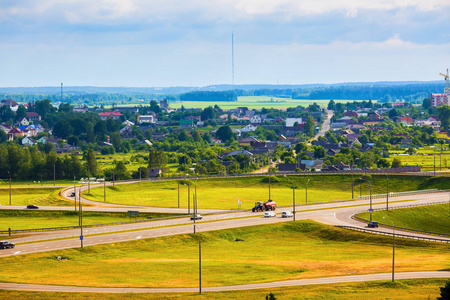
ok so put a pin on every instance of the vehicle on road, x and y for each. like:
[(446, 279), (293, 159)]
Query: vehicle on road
[(72, 195), (372, 224), (196, 217), (32, 206), (6, 245), (260, 206), (269, 214), (287, 214)]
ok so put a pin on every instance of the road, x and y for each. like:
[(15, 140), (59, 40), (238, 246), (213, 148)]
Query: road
[(266, 285), (326, 125)]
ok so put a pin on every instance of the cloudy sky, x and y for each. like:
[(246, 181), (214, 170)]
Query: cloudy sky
[(188, 42)]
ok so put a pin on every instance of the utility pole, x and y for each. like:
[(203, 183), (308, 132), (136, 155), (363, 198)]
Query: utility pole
[(178, 194), (9, 188), (54, 175), (104, 189)]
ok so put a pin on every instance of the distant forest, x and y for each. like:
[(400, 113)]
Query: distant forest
[(97, 96)]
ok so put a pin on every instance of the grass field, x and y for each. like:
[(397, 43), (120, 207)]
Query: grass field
[(375, 290), (38, 196), (291, 250), (224, 193), (27, 219), (433, 218), (256, 102), (426, 161)]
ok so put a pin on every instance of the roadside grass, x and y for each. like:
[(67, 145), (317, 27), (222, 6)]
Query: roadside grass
[(291, 250), (433, 218), (425, 160), (224, 193), (37, 196), (371, 290), (28, 219)]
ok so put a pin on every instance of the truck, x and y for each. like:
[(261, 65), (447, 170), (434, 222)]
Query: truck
[(260, 206)]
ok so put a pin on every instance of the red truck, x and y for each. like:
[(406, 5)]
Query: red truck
[(260, 206)]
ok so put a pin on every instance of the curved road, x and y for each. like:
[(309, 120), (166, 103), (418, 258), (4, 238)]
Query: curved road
[(266, 285)]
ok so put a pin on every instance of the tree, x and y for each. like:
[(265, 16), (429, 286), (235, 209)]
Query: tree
[(445, 291), (319, 152), (300, 147), (116, 140), (44, 107), (157, 159), (183, 136), (62, 129), (271, 296), (426, 103), (65, 107), (21, 112), (3, 136), (396, 163), (308, 127), (208, 113), (196, 136), (331, 105), (121, 172), (154, 107), (91, 163), (444, 116), (225, 133), (383, 163)]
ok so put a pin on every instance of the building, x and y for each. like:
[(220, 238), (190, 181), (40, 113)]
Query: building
[(248, 128), (439, 99), (256, 119), (113, 115), (33, 117), (146, 119), (290, 122)]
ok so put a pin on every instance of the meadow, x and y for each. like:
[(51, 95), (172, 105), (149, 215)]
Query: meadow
[(256, 102), (18, 219), (37, 196), (266, 253), (225, 193), (432, 218)]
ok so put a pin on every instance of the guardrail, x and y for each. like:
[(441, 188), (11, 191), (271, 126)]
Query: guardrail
[(396, 234), (403, 228)]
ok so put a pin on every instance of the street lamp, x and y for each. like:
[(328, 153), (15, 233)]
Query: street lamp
[(199, 260), (387, 189), (75, 193), (114, 170), (80, 217), (370, 183), (307, 190), (9, 188), (393, 248), (293, 194), (194, 201)]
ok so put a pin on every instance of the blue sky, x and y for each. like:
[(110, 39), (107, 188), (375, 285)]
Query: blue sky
[(188, 43)]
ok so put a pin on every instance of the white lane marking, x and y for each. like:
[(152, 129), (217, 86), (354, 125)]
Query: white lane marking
[(17, 252)]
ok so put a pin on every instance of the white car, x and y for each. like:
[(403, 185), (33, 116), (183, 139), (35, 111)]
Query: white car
[(287, 214), (269, 214)]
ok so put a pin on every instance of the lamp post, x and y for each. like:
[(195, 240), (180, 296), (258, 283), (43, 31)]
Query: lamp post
[(293, 195), (178, 194), (54, 173), (307, 191), (114, 171), (194, 202), (269, 187), (80, 216), (140, 169), (370, 209), (199, 260), (353, 185), (393, 248), (75, 193), (387, 189), (9, 188)]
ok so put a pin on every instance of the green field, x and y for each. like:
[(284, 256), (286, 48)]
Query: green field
[(38, 196), (256, 102), (17, 219), (224, 193), (373, 290), (433, 218), (283, 251)]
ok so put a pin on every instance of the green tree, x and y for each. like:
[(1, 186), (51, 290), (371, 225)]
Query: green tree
[(196, 136), (91, 163), (445, 291), (3, 136), (396, 163), (157, 159), (116, 140), (208, 113), (319, 152), (331, 105), (271, 296), (444, 116), (62, 129), (65, 108), (308, 127), (426, 103), (121, 171), (154, 107), (21, 112), (44, 107), (224, 133)]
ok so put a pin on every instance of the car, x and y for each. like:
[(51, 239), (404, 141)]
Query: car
[(32, 206), (72, 195), (372, 224), (196, 217), (287, 214), (269, 214), (6, 245)]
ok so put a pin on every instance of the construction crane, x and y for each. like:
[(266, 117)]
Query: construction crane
[(446, 79)]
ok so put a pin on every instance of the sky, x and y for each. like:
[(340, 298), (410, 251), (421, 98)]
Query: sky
[(160, 43)]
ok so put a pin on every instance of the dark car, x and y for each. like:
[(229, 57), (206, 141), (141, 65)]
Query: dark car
[(72, 195), (196, 217), (32, 206), (372, 224), (6, 245)]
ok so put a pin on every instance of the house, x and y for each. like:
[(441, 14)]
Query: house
[(407, 120), (249, 140), (236, 152), (290, 122), (256, 119), (287, 167), (127, 122), (29, 130), (215, 141), (373, 116), (350, 113), (184, 123), (346, 120), (15, 132), (154, 173), (27, 141), (23, 121), (315, 163), (33, 117), (131, 109), (248, 128), (113, 115), (8, 102), (80, 109), (146, 119), (126, 131)]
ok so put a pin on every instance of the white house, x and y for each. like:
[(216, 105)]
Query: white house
[(248, 128), (146, 119), (291, 121), (256, 119)]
